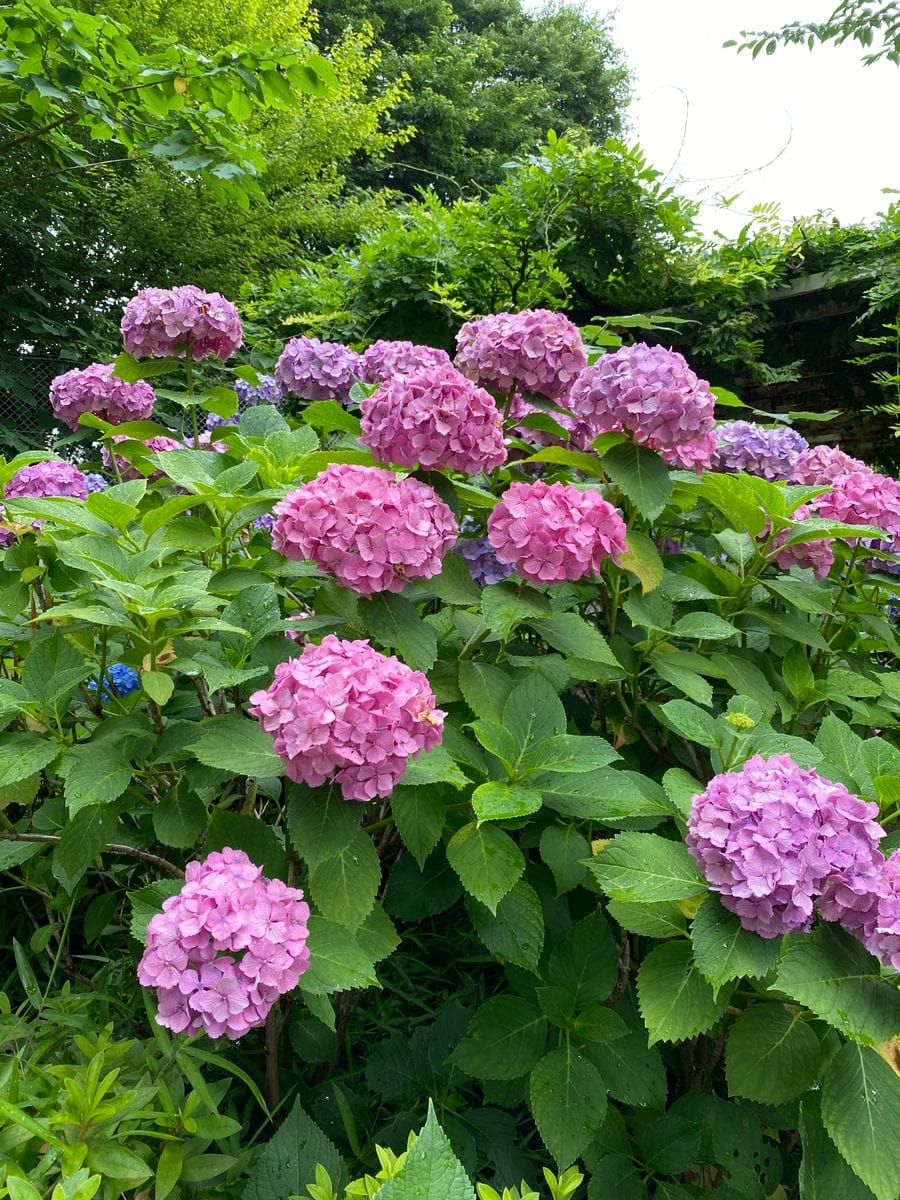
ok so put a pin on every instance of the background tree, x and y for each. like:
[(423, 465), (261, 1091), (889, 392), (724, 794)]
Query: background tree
[(874, 24)]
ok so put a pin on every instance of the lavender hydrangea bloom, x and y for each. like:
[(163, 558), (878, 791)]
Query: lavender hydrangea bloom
[(315, 370), (266, 522), (95, 389), (484, 565), (384, 361), (868, 906), (265, 391), (535, 351), (94, 482), (653, 394), (773, 836), (756, 450), (52, 478), (214, 421), (169, 322)]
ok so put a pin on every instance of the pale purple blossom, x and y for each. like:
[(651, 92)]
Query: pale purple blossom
[(342, 712), (865, 498), (225, 947), (314, 370), (757, 450), (264, 391), (816, 554), (43, 479), (772, 837), (436, 419), (175, 322), (532, 351), (484, 565), (95, 389), (95, 482), (371, 531)]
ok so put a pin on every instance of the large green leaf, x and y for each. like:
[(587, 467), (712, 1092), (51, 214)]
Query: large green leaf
[(861, 1111), (394, 622), (585, 963), (567, 1097), (419, 813), (565, 850), (841, 747), (641, 475), (81, 841), (321, 823), (23, 755), (724, 950), (499, 801), (575, 637), (646, 867), (288, 1161), (823, 1173), (344, 887), (504, 1040), (95, 774), (431, 1169), (515, 933), (772, 1054), (634, 1072), (485, 688), (830, 973), (676, 1001), (180, 817), (487, 861), (236, 744), (258, 840), (506, 605), (337, 961)]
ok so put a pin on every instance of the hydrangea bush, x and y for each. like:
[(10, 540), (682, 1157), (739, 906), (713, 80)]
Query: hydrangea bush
[(479, 773)]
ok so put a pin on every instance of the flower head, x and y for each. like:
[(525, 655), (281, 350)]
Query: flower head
[(820, 465), (341, 711), (756, 450), (264, 391), (865, 498), (315, 370), (95, 389), (384, 361), (53, 478), (434, 418), (652, 393), (772, 836), (371, 531), (867, 904), (225, 947), (175, 322), (95, 482), (552, 532), (535, 351), (121, 678), (484, 565)]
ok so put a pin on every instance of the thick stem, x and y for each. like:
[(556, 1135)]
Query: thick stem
[(273, 1034)]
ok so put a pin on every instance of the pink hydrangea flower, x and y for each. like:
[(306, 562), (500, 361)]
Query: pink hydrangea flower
[(867, 904), (434, 418), (172, 322), (53, 478), (535, 351), (225, 947), (820, 465), (771, 837), (125, 469), (864, 498), (95, 389), (341, 711), (371, 531), (817, 555), (385, 361), (552, 532), (315, 370), (651, 393)]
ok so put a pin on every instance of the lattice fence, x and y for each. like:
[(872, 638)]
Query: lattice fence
[(26, 421)]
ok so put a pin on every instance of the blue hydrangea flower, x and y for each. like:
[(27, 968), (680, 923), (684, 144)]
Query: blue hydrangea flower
[(266, 521), (266, 391), (484, 565), (213, 421), (122, 678), (95, 483)]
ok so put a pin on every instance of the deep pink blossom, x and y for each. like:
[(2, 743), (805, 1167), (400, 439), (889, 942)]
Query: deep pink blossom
[(535, 351), (867, 904), (95, 389), (315, 370), (52, 478), (434, 418), (172, 322), (552, 532), (771, 837), (341, 711), (820, 465), (384, 361), (225, 947), (864, 498), (371, 531)]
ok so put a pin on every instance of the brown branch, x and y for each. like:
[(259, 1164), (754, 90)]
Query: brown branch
[(113, 848)]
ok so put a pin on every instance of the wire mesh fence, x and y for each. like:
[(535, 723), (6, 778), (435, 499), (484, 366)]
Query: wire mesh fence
[(26, 420)]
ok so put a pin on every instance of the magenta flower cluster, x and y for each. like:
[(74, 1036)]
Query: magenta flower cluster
[(435, 418), (532, 351), (341, 711), (384, 361), (225, 947), (756, 450), (175, 322), (864, 498), (314, 370), (821, 465), (125, 469), (868, 906), (772, 837), (53, 478), (651, 393), (95, 389), (371, 531), (553, 532)]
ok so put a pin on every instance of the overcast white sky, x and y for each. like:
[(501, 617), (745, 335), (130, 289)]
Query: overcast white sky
[(702, 112)]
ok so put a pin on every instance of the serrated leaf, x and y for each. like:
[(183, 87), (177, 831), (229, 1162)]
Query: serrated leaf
[(585, 962), (81, 841), (834, 976), (487, 861), (419, 814), (633, 1071), (663, 920), (823, 1173), (724, 950), (288, 1161), (504, 1040), (675, 1000), (321, 823), (394, 622), (432, 766), (179, 818), (337, 961), (485, 688), (94, 774), (646, 867), (841, 747), (431, 1169), (564, 850), (641, 475), (344, 887), (704, 627), (772, 1055), (506, 605), (499, 801), (237, 744), (515, 933), (23, 755), (643, 560), (258, 841), (567, 1098), (575, 637), (861, 1111)]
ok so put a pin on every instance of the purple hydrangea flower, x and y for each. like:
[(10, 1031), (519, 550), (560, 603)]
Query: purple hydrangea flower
[(53, 478), (756, 450), (772, 837), (94, 482), (266, 521), (95, 389), (535, 351), (315, 370), (484, 565), (214, 421), (266, 391), (868, 906), (169, 322), (385, 361)]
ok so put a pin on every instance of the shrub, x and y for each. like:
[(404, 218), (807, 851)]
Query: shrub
[(594, 867)]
